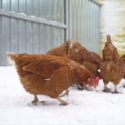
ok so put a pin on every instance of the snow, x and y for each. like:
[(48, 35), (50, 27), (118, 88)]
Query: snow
[(85, 107)]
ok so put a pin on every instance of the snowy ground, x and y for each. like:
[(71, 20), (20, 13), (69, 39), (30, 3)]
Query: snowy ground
[(85, 108)]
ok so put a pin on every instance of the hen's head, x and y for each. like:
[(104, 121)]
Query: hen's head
[(93, 81)]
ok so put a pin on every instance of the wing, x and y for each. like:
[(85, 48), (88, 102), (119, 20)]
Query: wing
[(43, 68)]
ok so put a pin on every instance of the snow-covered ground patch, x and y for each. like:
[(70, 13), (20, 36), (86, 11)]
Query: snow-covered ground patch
[(85, 107)]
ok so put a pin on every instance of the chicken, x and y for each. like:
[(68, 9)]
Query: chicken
[(123, 58), (75, 51), (110, 71), (48, 75), (92, 67), (63, 49), (110, 51), (122, 63), (110, 67), (91, 60)]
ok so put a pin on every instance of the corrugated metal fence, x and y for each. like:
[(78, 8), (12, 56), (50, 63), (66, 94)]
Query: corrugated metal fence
[(35, 26), (85, 23)]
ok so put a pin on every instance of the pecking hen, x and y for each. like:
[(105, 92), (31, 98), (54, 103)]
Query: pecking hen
[(63, 49), (75, 51), (48, 75)]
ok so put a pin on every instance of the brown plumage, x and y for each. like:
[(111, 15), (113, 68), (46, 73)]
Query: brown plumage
[(90, 59), (75, 51), (111, 66), (122, 63), (48, 75), (63, 49), (123, 58), (110, 51), (92, 67)]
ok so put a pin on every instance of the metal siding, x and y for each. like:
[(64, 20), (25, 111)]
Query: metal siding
[(43, 8), (5, 37), (35, 38), (22, 36), (1, 53), (37, 8), (61, 11), (0, 4), (84, 26), (14, 35), (83, 32), (98, 31), (91, 36), (29, 37), (42, 39), (87, 25), (22, 6), (29, 7), (23, 33), (52, 37), (14, 5), (6, 4), (47, 39)]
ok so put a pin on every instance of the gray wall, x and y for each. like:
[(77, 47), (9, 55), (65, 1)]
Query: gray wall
[(84, 23), (35, 26)]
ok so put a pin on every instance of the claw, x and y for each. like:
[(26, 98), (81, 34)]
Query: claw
[(43, 102), (64, 103), (106, 89)]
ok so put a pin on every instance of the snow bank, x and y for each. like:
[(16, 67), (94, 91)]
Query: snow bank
[(85, 107)]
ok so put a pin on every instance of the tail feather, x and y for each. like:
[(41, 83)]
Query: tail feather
[(109, 38), (11, 57)]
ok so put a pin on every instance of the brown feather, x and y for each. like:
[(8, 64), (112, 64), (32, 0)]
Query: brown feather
[(48, 75)]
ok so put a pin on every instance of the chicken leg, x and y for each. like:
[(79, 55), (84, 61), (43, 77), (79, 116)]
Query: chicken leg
[(62, 102), (106, 89), (65, 93), (36, 100), (115, 90)]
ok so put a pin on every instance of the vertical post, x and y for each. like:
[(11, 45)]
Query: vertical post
[(66, 21)]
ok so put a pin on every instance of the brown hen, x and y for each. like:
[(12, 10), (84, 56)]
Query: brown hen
[(48, 75), (75, 51), (111, 66)]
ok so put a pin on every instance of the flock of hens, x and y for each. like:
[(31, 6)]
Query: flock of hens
[(70, 63)]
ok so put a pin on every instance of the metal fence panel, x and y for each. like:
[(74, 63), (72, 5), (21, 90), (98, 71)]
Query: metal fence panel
[(42, 39), (35, 26), (14, 5), (35, 38), (47, 9), (14, 35), (24, 36), (29, 37), (84, 23)]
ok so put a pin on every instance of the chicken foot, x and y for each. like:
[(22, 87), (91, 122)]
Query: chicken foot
[(36, 100), (115, 90), (106, 89), (62, 102)]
